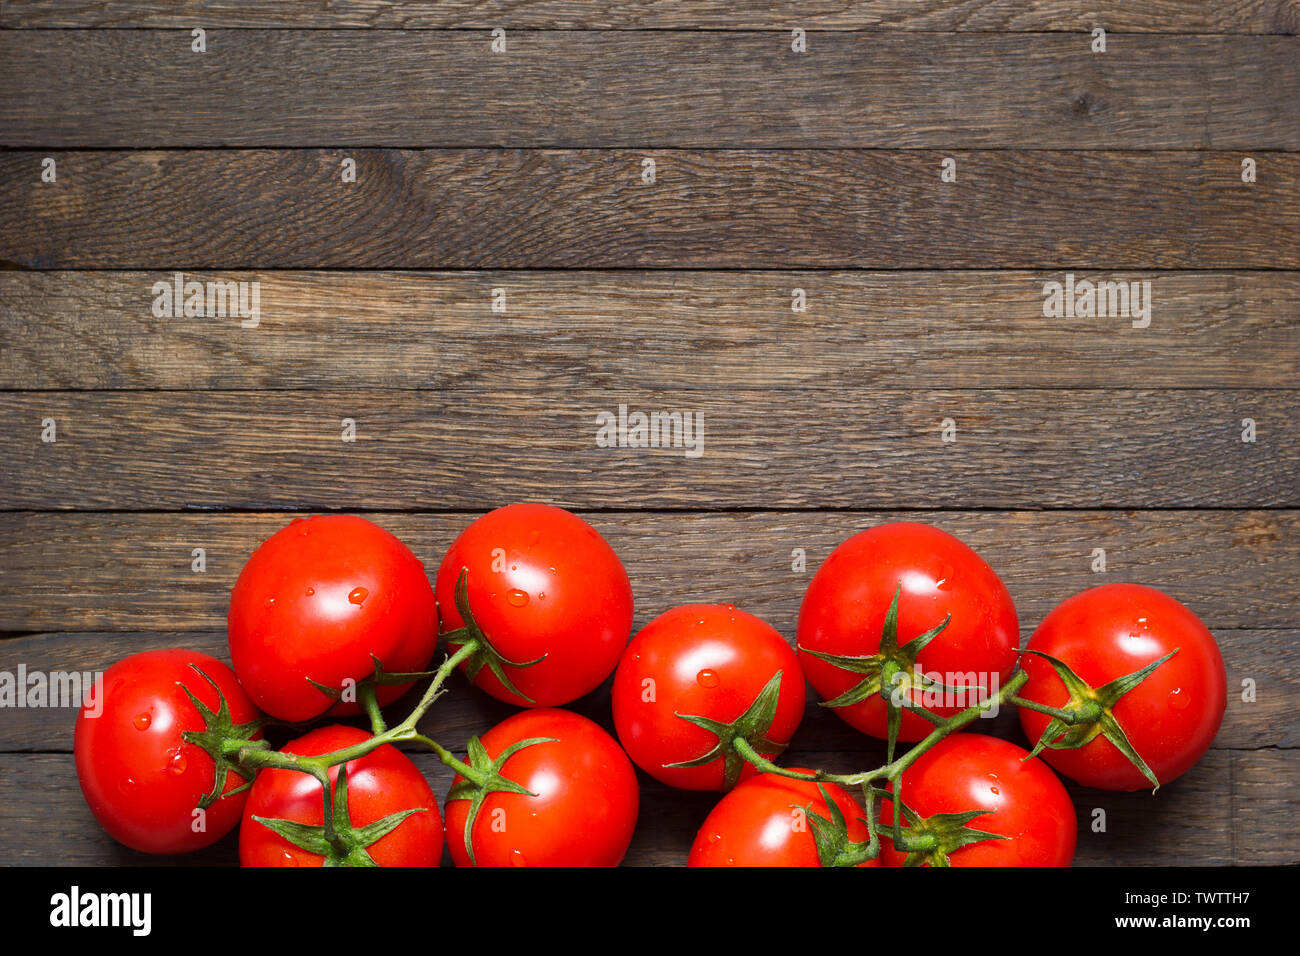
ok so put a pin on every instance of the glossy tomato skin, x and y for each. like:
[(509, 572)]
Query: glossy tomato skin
[(846, 603), (1028, 803), (140, 778), (541, 582), (706, 660), (1170, 718), (762, 822), (587, 799), (316, 600), (383, 782)]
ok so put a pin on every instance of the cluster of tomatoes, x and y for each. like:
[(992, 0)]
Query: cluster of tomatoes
[(901, 629)]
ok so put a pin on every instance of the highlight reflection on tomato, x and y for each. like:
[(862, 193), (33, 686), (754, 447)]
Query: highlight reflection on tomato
[(315, 601), (1170, 718), (764, 822), (705, 660), (383, 782), (586, 803), (936, 577), (541, 583), (1026, 803), (142, 781)]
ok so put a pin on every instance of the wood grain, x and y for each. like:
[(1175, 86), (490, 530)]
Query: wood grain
[(1120, 16), (61, 88), (470, 450), (1194, 818), (649, 330), (132, 572), (1270, 658), (464, 209)]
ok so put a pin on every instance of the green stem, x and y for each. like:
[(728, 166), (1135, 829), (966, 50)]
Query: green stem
[(449, 759), (256, 759), (1061, 715), (893, 769), (370, 703), (766, 766)]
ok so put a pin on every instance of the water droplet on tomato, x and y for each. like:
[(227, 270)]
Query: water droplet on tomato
[(707, 678), (541, 595), (1178, 700), (357, 595), (142, 721), (177, 764), (311, 591), (290, 859), (516, 597), (993, 790), (517, 858)]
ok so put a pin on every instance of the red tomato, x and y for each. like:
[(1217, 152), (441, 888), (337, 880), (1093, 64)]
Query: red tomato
[(1170, 718), (143, 782), (1027, 803), (383, 782), (844, 612), (542, 583), (315, 601), (703, 660), (586, 802), (764, 822)]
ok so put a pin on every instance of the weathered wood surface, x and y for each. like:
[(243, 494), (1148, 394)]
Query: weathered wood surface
[(1270, 658), (1124, 166), (743, 209), (648, 330), (1122, 16), (103, 88), (466, 449), (1220, 812), (131, 572)]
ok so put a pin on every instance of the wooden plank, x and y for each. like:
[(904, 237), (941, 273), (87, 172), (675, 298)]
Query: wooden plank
[(460, 209), (1186, 823), (748, 449), (132, 572), (1270, 658), (1265, 784), (1126, 16), (98, 330), (635, 89)]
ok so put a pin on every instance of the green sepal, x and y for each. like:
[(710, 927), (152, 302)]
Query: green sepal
[(347, 846), (1092, 709), (872, 665), (892, 659), (752, 726), (945, 833), (485, 655), (216, 738), (486, 778), (834, 847)]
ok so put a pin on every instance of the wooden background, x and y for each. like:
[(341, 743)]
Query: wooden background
[(775, 170)]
